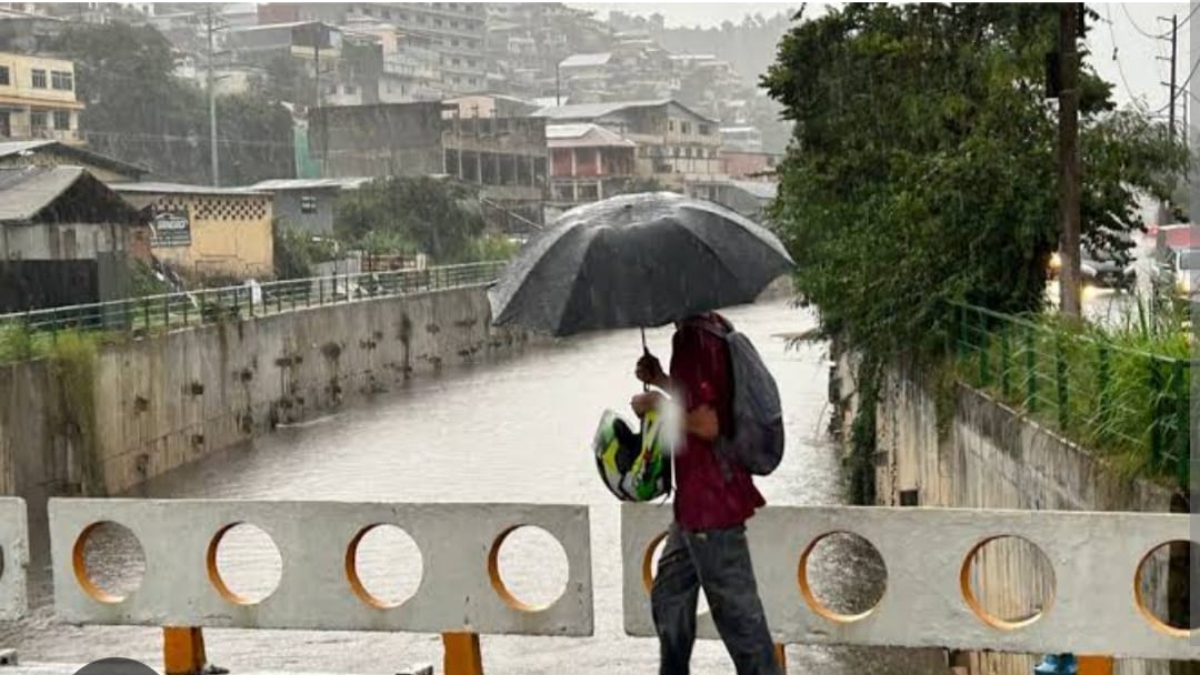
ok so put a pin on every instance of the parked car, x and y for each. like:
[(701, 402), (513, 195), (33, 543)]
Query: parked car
[(1100, 267), (1177, 267)]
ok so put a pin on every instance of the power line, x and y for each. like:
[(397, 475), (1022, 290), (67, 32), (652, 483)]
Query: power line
[(1179, 89), (1161, 36), (1137, 103)]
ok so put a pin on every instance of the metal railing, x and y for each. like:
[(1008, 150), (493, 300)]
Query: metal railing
[(204, 306), (1131, 405)]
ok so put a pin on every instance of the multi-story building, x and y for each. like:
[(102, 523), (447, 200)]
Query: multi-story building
[(37, 99), (504, 156), (674, 143), (455, 30), (588, 163)]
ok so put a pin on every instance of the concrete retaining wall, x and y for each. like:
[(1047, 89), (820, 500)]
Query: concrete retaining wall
[(167, 400), (981, 454)]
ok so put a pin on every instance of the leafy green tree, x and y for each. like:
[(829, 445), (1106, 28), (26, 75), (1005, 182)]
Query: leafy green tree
[(140, 112), (436, 217), (924, 165)]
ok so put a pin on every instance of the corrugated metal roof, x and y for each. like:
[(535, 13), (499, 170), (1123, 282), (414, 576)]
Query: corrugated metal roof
[(760, 189), (24, 192), (180, 189), (310, 184), (591, 111), (584, 111), (584, 135), (10, 148), (584, 60)]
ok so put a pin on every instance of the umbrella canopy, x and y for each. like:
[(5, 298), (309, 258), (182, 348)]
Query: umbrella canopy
[(637, 261)]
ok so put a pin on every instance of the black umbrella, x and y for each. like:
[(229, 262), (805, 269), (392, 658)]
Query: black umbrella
[(640, 260)]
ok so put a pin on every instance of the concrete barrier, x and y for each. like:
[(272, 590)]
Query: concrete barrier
[(460, 591), (14, 558), (1095, 608)]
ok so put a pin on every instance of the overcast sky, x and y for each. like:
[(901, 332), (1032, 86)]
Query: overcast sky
[(1131, 31)]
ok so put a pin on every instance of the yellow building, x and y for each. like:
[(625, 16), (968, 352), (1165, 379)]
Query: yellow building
[(207, 231), (37, 99)]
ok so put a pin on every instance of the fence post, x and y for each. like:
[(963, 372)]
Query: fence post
[(1005, 364), (1030, 371), (1060, 381), (146, 314), (1156, 393), (167, 311), (186, 301), (1183, 429), (462, 655), (1103, 377), (320, 291)]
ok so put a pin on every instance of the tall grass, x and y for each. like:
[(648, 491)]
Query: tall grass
[(1121, 390)]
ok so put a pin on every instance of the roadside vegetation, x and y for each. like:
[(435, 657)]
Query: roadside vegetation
[(923, 176)]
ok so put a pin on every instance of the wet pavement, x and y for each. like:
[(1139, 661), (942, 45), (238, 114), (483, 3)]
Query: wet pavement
[(514, 430)]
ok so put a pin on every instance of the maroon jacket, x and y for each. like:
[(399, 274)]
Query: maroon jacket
[(700, 373)]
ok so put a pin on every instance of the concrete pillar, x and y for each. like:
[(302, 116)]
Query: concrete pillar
[(573, 160)]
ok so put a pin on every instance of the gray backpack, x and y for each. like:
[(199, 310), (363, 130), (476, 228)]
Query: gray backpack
[(755, 437)]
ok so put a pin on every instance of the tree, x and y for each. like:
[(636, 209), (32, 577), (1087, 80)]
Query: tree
[(140, 112), (923, 167), (436, 217)]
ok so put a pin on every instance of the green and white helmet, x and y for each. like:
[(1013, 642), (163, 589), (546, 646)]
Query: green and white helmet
[(635, 468)]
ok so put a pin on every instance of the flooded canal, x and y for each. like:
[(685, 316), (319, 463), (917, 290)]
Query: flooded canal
[(516, 430)]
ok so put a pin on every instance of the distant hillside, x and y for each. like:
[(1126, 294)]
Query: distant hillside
[(750, 46)]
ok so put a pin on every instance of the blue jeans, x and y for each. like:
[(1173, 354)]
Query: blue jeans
[(719, 562)]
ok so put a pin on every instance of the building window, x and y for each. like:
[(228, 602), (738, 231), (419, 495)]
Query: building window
[(454, 43), (367, 11), (437, 22), (472, 63), (308, 204), (39, 79), (37, 120), (687, 153), (704, 130), (457, 62), (472, 82), (685, 127), (670, 125), (351, 90), (62, 120), (454, 24), (62, 80), (4, 77)]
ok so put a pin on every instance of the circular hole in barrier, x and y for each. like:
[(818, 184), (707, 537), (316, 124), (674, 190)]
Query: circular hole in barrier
[(842, 576), (384, 566), (528, 568), (1160, 587), (650, 570), (1011, 605), (244, 564), (109, 562)]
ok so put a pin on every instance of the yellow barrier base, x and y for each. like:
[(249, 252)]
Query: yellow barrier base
[(1095, 665), (781, 658), (462, 655), (183, 651)]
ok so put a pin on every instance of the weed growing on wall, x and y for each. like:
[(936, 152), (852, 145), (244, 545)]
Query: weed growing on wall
[(72, 360), (860, 462)]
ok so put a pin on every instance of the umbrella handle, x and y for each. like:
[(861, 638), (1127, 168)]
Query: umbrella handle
[(645, 352)]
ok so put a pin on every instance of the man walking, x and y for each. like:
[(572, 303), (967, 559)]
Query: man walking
[(706, 545)]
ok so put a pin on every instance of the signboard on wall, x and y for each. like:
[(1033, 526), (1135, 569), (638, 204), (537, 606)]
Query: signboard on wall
[(171, 228)]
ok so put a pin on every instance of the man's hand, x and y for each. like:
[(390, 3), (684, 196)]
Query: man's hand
[(650, 371), (644, 403)]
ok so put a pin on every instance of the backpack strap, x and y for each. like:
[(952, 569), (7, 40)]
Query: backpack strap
[(722, 331)]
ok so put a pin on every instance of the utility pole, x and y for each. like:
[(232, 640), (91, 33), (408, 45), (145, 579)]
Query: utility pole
[(212, 103), (1068, 157), (1164, 208)]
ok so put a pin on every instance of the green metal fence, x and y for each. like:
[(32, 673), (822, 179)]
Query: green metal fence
[(1130, 405), (194, 308)]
